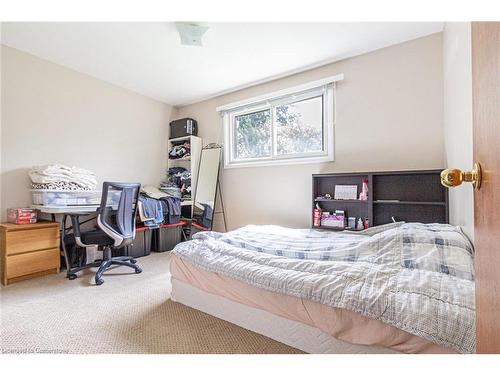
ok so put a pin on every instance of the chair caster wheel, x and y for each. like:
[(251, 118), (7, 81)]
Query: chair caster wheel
[(72, 276), (133, 261), (99, 281), (138, 270)]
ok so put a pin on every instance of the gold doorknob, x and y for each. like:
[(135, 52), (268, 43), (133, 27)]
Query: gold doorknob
[(455, 177)]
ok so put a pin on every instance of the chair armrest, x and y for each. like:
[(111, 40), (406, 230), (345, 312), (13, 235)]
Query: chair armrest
[(75, 223)]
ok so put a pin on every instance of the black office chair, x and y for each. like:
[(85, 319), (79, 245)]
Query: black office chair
[(116, 222)]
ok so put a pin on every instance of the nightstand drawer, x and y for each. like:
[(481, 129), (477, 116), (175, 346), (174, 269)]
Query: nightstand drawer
[(23, 241), (37, 261)]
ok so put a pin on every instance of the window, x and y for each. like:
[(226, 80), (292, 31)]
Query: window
[(252, 135), (287, 127), (299, 127)]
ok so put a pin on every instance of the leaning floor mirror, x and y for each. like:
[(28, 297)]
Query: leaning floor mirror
[(206, 189)]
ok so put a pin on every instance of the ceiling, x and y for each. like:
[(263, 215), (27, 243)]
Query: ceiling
[(148, 58)]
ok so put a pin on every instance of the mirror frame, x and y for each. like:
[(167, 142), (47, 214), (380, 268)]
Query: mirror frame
[(210, 146)]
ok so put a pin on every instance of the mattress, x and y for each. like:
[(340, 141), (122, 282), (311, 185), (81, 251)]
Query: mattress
[(345, 325)]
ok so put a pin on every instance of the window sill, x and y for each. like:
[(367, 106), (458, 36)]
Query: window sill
[(275, 162)]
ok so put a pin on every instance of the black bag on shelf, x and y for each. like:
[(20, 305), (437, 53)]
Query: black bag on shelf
[(183, 127)]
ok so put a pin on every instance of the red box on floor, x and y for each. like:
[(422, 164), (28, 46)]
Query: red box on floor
[(22, 215)]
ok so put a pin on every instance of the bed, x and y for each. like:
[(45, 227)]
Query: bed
[(396, 288)]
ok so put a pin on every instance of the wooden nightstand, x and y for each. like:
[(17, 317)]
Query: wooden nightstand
[(28, 250)]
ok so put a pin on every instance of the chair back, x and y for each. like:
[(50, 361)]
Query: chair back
[(118, 210)]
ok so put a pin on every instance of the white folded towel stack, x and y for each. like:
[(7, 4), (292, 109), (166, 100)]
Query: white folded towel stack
[(46, 174)]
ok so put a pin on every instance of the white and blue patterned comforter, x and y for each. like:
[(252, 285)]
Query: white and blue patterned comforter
[(416, 277)]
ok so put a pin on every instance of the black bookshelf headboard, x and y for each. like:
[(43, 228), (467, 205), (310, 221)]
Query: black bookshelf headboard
[(411, 196)]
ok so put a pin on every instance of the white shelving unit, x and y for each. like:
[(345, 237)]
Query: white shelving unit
[(190, 162)]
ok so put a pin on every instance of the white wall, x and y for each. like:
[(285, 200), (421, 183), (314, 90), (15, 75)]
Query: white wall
[(51, 114), (389, 117), (457, 113)]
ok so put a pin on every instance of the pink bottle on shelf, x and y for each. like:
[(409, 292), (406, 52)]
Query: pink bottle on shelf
[(364, 191), (317, 216)]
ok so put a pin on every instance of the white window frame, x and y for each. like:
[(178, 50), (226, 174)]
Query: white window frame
[(324, 87)]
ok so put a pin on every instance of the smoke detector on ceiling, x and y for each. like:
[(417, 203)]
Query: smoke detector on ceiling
[(191, 33)]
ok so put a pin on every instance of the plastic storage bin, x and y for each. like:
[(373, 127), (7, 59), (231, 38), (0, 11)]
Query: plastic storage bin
[(142, 243), (63, 198), (195, 228), (167, 236)]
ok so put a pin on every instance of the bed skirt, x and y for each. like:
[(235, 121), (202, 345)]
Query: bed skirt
[(296, 334)]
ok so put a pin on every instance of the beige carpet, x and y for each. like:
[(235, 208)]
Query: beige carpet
[(129, 313)]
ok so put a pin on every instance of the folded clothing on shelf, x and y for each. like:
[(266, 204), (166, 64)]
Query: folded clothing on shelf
[(57, 173), (179, 151), (186, 183), (174, 175), (178, 183), (153, 192), (173, 191)]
